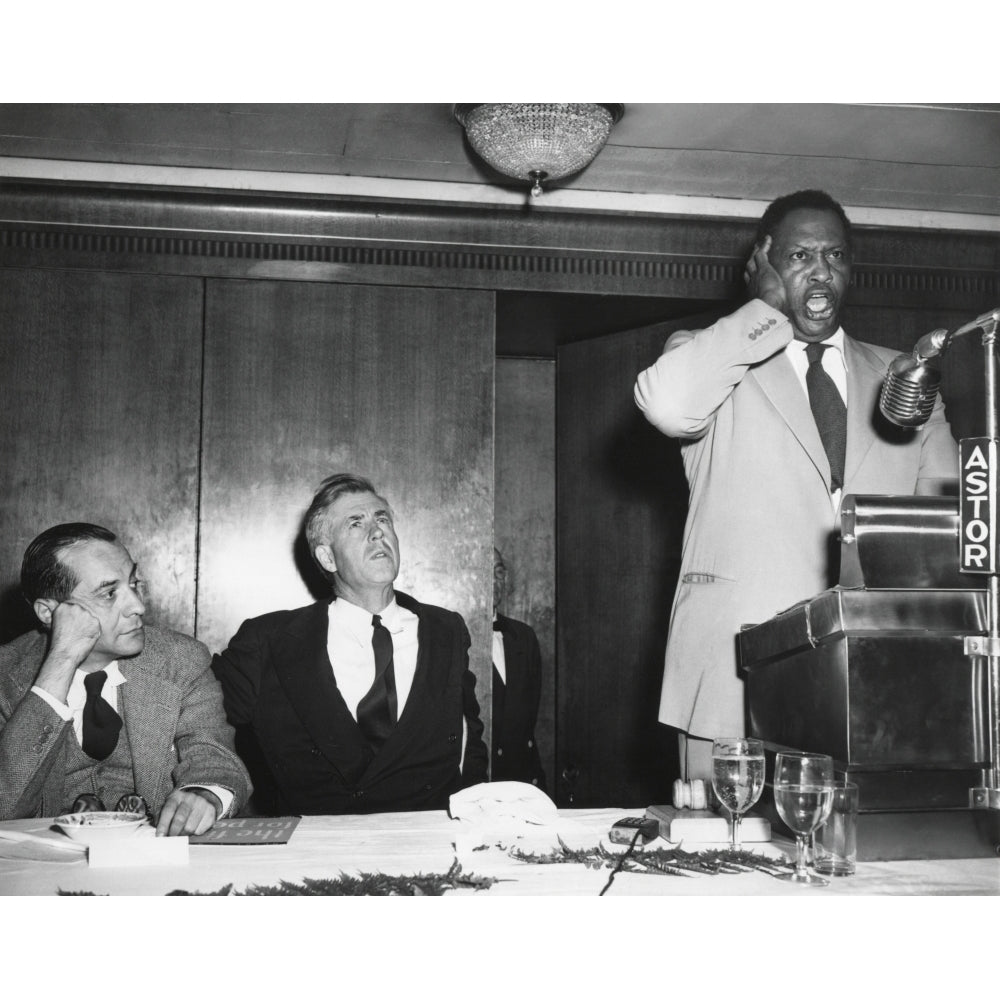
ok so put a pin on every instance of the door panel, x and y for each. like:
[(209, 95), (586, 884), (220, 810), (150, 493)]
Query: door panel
[(621, 500), (525, 517)]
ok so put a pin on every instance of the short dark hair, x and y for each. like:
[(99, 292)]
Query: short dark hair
[(332, 488), (43, 573), (781, 207)]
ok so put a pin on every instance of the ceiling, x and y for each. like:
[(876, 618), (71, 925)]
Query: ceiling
[(924, 161)]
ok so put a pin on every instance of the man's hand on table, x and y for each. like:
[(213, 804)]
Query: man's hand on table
[(188, 811)]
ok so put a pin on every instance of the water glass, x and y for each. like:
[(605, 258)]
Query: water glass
[(836, 840), (737, 777), (803, 793)]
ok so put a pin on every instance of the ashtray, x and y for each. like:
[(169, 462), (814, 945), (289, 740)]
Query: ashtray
[(89, 827)]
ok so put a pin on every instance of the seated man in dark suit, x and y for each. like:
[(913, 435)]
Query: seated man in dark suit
[(360, 704), (517, 689), (100, 705)]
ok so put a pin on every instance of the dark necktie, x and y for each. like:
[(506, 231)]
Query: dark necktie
[(829, 411), (377, 710), (101, 723)]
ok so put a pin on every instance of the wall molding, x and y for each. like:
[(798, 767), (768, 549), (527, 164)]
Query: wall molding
[(338, 240)]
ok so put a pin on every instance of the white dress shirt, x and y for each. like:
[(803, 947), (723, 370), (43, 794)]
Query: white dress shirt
[(76, 698), (835, 365), (349, 644), (72, 711), (499, 659)]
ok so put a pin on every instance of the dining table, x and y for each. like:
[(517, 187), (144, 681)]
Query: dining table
[(570, 855)]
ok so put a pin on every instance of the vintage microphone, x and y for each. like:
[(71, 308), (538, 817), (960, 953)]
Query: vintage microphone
[(912, 382)]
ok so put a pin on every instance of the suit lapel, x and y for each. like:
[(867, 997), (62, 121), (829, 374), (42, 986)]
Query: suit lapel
[(864, 382), (149, 710), (429, 680), (302, 666), (781, 385)]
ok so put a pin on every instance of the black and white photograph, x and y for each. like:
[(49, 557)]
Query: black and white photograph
[(515, 502)]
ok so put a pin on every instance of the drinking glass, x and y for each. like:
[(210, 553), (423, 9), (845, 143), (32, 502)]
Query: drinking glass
[(737, 777), (803, 795)]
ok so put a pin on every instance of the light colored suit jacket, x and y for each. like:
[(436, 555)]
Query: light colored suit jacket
[(761, 528), (171, 706)]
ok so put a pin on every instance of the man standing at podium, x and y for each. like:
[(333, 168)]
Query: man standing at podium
[(777, 412)]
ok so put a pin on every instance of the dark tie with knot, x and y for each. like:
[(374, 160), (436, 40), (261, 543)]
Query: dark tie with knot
[(377, 710), (829, 412), (101, 723)]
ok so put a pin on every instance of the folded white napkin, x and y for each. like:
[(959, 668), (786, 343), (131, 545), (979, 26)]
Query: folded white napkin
[(511, 813), (503, 800)]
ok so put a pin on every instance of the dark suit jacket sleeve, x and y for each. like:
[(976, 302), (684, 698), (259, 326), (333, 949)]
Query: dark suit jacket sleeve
[(238, 669), (475, 765), (31, 732), (203, 738), (534, 699), (534, 675)]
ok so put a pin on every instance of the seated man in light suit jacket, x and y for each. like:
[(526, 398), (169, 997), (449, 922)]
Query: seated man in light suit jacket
[(764, 491), (360, 704), (153, 725)]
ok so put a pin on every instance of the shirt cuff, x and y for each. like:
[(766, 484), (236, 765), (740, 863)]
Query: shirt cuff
[(224, 795), (62, 710)]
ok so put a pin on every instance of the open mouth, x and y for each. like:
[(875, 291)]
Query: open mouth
[(819, 305)]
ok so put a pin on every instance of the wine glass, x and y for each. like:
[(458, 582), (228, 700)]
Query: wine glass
[(737, 777), (803, 794)]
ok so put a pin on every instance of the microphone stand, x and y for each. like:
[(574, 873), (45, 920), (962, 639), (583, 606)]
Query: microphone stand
[(987, 795)]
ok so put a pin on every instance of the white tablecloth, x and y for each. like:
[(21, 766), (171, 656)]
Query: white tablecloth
[(429, 842)]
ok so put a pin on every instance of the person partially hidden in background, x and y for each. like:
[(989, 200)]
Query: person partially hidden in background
[(776, 409), (517, 690), (97, 705), (363, 703)]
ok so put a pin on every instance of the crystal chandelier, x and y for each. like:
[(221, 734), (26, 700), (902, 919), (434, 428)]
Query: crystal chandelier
[(538, 142)]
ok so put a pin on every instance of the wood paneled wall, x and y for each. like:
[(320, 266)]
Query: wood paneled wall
[(100, 379), (525, 518), (196, 418), (621, 505)]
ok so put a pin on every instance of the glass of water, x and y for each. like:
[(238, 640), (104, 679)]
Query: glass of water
[(737, 777), (803, 795)]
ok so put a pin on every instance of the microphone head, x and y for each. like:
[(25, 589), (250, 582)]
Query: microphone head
[(909, 391)]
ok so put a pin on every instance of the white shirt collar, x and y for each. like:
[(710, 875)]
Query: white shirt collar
[(358, 621), (836, 340), (77, 695)]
